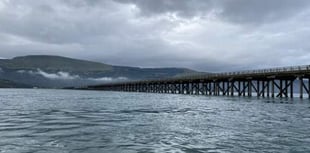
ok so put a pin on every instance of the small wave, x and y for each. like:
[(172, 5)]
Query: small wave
[(144, 111), (151, 111)]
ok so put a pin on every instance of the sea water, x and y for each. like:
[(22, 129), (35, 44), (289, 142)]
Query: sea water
[(72, 121)]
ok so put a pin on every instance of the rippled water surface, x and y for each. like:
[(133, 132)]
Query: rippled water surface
[(56, 121)]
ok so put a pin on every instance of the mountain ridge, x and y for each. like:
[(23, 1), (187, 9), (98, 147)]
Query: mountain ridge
[(51, 71)]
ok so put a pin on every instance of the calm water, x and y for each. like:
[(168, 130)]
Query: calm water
[(59, 121)]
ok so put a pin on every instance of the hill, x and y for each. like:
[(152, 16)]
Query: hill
[(11, 84), (56, 71)]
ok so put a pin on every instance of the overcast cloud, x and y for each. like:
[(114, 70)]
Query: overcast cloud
[(208, 35)]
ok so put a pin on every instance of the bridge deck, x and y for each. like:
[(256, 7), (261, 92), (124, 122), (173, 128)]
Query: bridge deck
[(264, 81)]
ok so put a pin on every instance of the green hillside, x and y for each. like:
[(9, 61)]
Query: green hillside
[(11, 84), (52, 63), (43, 71)]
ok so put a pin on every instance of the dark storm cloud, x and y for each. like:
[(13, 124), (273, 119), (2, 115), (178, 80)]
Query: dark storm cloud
[(258, 11), (210, 35), (241, 11)]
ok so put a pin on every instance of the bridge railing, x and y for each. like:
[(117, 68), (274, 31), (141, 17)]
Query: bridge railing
[(226, 74), (250, 72), (272, 70)]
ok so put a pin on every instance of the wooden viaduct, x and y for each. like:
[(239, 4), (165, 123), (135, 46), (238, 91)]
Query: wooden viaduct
[(275, 82)]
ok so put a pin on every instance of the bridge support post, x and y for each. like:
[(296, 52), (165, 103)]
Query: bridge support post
[(239, 88), (169, 88), (208, 88), (144, 87), (309, 88), (281, 84), (232, 88), (258, 88), (182, 85), (188, 88), (292, 89), (213, 88), (228, 88), (263, 88), (250, 88), (223, 89), (301, 87), (197, 88), (180, 88), (148, 87), (141, 88), (137, 88), (268, 88), (152, 87), (191, 88), (217, 88), (272, 88), (159, 88), (244, 88), (155, 88), (286, 88), (204, 88)]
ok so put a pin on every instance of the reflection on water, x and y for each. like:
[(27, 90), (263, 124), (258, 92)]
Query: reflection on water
[(95, 121)]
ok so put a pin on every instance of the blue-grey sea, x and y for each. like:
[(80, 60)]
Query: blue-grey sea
[(72, 121)]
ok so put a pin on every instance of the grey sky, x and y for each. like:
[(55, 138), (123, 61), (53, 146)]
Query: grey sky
[(208, 35)]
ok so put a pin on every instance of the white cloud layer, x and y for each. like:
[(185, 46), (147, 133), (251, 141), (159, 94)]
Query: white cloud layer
[(67, 76), (54, 76), (209, 35), (106, 79)]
